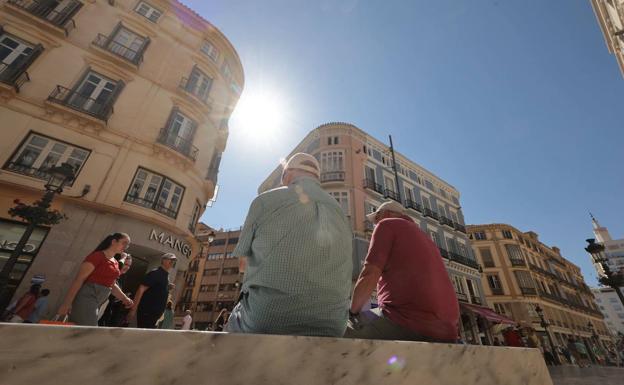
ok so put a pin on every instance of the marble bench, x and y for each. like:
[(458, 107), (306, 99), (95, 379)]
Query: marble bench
[(42, 355)]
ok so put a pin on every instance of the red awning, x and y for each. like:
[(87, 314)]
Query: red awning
[(488, 314)]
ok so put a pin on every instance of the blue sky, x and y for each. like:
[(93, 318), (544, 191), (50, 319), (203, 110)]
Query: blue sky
[(515, 103)]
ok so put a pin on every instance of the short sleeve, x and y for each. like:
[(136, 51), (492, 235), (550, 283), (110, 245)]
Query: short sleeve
[(380, 245), (245, 240), (95, 258), (150, 279)]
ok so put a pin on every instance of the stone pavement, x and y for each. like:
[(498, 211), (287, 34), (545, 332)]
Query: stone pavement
[(594, 375)]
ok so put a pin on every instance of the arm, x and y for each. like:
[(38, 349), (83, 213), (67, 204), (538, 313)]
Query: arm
[(86, 268), (119, 294), (367, 281), (137, 298)]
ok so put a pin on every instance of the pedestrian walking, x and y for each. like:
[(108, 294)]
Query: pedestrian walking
[(167, 318), (187, 321), (582, 352), (298, 246), (25, 305), (41, 306), (114, 312), (151, 297), (417, 301), (95, 281)]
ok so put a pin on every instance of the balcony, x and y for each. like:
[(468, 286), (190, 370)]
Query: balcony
[(152, 205), (202, 95), (475, 299), (444, 253), (332, 176), (182, 145), (371, 185), (410, 204), (100, 109), (14, 76), (430, 213), (464, 261), (50, 12), (497, 291), (128, 54), (528, 290), (446, 221), (517, 262), (459, 227), (462, 297), (392, 195)]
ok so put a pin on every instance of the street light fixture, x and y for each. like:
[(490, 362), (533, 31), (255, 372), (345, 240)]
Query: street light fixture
[(211, 237), (544, 324), (608, 278), (34, 215)]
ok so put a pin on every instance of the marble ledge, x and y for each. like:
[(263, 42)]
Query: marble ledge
[(43, 354)]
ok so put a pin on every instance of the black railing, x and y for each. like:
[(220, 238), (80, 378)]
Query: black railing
[(151, 205), (50, 12), (126, 53), (475, 299), (410, 204), (193, 90), (13, 76), (463, 260), (444, 253), (371, 185), (462, 297), (459, 227), (333, 176), (392, 195), (430, 213), (182, 145), (542, 271), (517, 262), (497, 291), (28, 171), (101, 109), (445, 221), (528, 290)]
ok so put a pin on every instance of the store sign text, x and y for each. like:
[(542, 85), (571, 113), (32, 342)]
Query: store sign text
[(171, 241)]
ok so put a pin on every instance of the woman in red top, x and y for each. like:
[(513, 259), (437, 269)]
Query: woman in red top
[(26, 304), (95, 281)]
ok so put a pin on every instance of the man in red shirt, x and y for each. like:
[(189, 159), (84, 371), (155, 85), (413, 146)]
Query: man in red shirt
[(417, 301)]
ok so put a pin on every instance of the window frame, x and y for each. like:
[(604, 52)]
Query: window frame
[(213, 48), (158, 192), (150, 11)]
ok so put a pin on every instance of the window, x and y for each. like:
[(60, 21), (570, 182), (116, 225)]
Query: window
[(369, 208), (94, 95), (458, 284), (343, 200), (215, 256), (507, 234), (209, 50), (179, 133), (211, 272), (494, 282), (524, 279), (16, 56), (199, 84), (500, 308), (204, 306), (336, 140), (218, 242), (125, 43), (232, 241), (461, 249), (149, 12), (480, 236), (515, 254), (486, 257), (38, 153), (230, 271), (435, 238), (207, 288), (613, 300), (226, 71), (156, 192), (195, 216), (332, 161), (389, 183), (370, 173)]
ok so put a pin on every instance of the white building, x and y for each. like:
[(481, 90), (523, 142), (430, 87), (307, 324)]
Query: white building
[(611, 308), (610, 15), (614, 248)]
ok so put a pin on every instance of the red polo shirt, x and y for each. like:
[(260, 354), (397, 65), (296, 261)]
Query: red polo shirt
[(414, 290), (106, 270)]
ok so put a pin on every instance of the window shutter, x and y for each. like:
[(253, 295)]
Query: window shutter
[(146, 43), (20, 65), (111, 100), (173, 113)]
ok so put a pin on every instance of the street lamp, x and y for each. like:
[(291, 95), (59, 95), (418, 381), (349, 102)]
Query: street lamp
[(35, 215), (544, 324), (211, 237), (608, 278)]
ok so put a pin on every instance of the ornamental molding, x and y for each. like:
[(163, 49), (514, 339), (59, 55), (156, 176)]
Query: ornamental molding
[(70, 118)]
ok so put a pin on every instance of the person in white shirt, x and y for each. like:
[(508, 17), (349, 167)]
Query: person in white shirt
[(187, 321)]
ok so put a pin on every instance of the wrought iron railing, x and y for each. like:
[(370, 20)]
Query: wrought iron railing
[(430, 213), (464, 260), (13, 76), (461, 297), (150, 204), (193, 90), (444, 253), (371, 185), (101, 109), (475, 299), (445, 221), (459, 227), (109, 44), (51, 11), (517, 262), (392, 195), (528, 290), (180, 144), (333, 176), (410, 204), (497, 291)]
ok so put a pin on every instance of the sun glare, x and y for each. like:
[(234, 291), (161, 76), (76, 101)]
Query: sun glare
[(259, 114)]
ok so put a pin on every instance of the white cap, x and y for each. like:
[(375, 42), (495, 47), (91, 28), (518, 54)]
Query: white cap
[(304, 162), (390, 205)]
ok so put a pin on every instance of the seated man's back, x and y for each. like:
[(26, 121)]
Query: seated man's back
[(298, 245)]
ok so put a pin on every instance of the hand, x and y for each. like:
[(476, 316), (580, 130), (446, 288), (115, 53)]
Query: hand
[(128, 303), (64, 310), (354, 320)]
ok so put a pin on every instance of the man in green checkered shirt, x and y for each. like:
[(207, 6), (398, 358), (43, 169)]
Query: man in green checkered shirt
[(298, 245)]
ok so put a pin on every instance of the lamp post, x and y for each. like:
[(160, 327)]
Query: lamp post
[(35, 215), (608, 278), (544, 324)]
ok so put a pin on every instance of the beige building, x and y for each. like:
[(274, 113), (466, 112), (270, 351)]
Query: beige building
[(520, 272), (136, 96), (213, 280), (610, 15)]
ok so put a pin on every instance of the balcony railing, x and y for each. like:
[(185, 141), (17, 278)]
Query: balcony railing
[(392, 195), (188, 87), (152, 205), (333, 176), (497, 291), (430, 213), (517, 262), (462, 297), (528, 290), (410, 204), (475, 299), (371, 185), (463, 260), (182, 145), (444, 253), (51, 11), (12, 76), (459, 227), (446, 221), (101, 109), (107, 43)]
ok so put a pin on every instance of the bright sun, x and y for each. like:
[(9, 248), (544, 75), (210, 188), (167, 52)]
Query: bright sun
[(259, 114)]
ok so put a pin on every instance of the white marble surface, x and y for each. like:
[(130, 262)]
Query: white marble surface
[(42, 355)]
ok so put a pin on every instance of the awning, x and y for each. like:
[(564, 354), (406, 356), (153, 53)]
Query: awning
[(488, 314)]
